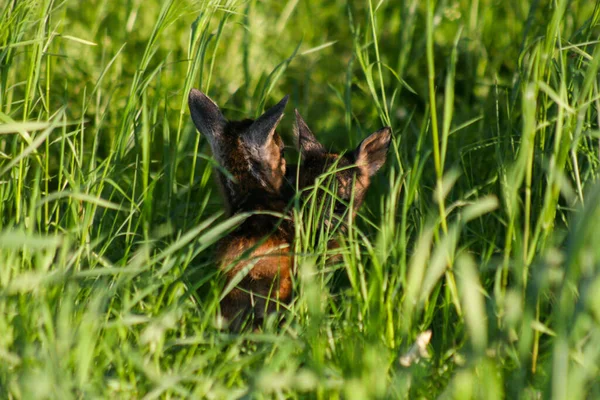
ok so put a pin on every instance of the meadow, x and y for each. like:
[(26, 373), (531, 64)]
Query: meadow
[(481, 229)]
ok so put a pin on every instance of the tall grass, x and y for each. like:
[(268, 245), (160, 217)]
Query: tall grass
[(481, 228)]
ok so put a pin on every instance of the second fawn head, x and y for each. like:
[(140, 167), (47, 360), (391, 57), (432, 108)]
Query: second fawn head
[(353, 169)]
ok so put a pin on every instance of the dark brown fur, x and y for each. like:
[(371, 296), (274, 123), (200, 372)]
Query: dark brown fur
[(254, 182), (252, 153)]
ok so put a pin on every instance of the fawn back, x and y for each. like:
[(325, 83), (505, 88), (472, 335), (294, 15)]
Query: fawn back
[(258, 250)]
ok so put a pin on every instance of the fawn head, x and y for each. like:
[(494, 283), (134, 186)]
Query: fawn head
[(354, 169), (250, 150)]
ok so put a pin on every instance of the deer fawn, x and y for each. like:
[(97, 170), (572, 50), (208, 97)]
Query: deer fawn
[(354, 169), (252, 152)]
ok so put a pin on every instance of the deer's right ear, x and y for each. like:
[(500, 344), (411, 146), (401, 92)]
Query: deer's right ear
[(305, 140), (261, 131), (206, 114), (371, 153)]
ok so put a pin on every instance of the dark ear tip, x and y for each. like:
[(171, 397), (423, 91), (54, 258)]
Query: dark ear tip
[(195, 95), (278, 108), (299, 119), (198, 99), (283, 102)]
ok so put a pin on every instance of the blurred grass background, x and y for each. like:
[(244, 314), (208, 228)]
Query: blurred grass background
[(481, 227)]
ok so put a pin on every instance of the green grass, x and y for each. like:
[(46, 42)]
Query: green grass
[(482, 227)]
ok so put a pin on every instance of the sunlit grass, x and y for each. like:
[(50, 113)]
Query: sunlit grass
[(480, 228)]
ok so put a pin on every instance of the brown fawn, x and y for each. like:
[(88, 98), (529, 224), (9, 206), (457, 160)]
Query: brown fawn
[(258, 251), (353, 169)]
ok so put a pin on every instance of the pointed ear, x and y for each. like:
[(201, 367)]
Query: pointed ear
[(262, 130), (206, 114), (371, 153), (306, 141)]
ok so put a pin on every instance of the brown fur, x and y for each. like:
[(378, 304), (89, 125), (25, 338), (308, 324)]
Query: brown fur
[(252, 153), (267, 283), (253, 180)]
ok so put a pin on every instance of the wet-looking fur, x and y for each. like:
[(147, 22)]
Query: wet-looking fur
[(252, 152)]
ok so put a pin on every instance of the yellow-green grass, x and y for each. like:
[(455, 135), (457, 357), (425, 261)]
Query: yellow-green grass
[(482, 228)]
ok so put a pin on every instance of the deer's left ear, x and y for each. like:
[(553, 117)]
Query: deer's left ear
[(371, 153)]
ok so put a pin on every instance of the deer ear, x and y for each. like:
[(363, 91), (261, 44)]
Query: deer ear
[(371, 153), (305, 140), (261, 131), (206, 114)]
